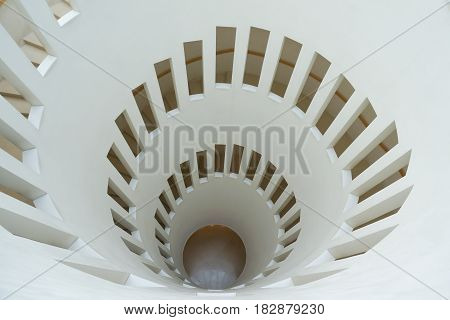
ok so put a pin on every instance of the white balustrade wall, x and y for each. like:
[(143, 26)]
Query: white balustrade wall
[(66, 196)]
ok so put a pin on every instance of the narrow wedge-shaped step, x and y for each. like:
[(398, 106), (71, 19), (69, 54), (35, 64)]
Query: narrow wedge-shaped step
[(122, 188), (81, 259), (290, 237), (299, 75), (60, 9), (112, 275), (120, 166), (270, 62), (312, 277), (388, 164), (123, 151), (381, 228), (15, 127), (282, 254), (311, 274), (19, 178), (163, 212), (35, 55), (30, 223), (133, 245), (240, 56), (287, 193), (162, 232), (21, 105), (7, 90), (116, 207), (15, 99), (164, 249), (122, 221), (364, 241), (32, 40), (379, 205), (150, 264), (368, 140), (269, 270), (344, 119), (323, 95)]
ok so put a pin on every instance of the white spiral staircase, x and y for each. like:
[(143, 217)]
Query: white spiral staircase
[(94, 94)]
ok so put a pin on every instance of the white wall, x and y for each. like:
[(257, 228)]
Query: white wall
[(103, 52)]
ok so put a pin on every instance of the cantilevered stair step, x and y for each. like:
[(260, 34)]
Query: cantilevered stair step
[(7, 90), (32, 40), (35, 55), (60, 9)]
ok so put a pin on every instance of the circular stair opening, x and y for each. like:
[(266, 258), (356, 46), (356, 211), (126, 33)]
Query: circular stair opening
[(214, 257), (241, 156)]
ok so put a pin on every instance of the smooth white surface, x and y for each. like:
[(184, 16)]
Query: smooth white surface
[(406, 82)]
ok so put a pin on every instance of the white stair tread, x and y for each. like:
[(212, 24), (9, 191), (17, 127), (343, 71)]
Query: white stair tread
[(34, 54), (32, 40), (60, 9), (6, 89), (20, 104)]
